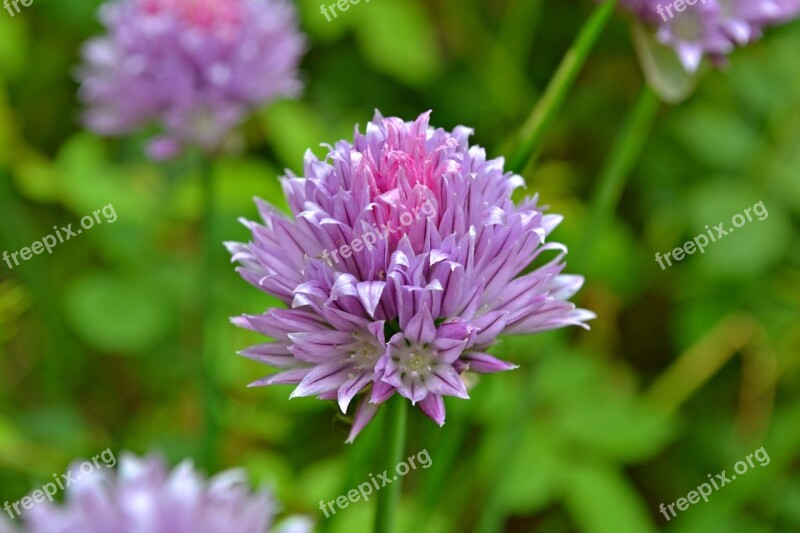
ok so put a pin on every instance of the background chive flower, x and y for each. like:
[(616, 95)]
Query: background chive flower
[(194, 68), (143, 495), (711, 28), (403, 261)]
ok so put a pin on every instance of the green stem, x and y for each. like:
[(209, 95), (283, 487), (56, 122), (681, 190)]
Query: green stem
[(395, 442), (624, 155), (211, 400), (553, 98)]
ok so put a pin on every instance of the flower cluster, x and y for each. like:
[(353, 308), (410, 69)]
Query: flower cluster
[(411, 312), (711, 28), (192, 67), (143, 495)]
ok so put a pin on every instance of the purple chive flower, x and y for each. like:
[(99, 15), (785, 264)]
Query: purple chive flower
[(193, 68), (144, 496), (711, 28), (402, 262)]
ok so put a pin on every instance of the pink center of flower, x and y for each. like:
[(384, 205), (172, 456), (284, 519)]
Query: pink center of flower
[(408, 177), (202, 13), (403, 170)]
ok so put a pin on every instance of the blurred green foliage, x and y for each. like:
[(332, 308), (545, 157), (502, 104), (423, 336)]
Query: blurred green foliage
[(99, 342)]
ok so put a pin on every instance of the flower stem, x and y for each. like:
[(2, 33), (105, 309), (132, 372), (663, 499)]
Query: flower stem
[(395, 443), (618, 167), (211, 402), (553, 98)]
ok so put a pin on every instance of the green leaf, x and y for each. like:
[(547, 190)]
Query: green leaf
[(90, 181), (8, 135), (398, 38), (717, 137), (38, 179), (293, 128), (601, 500), (597, 408), (620, 428), (116, 315), (238, 180), (14, 47), (747, 251), (537, 471), (317, 25)]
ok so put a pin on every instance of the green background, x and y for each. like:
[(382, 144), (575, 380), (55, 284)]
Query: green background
[(686, 370)]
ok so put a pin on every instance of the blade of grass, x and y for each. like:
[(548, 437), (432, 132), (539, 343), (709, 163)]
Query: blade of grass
[(548, 106)]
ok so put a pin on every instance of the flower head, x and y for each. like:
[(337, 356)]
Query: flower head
[(143, 495), (711, 28), (403, 261), (194, 68)]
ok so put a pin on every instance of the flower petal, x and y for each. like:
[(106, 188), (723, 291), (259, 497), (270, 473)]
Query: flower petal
[(484, 363), (365, 412), (433, 406)]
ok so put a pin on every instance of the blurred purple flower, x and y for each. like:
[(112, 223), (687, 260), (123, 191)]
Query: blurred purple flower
[(144, 496), (416, 305), (711, 28), (5, 525), (195, 68)]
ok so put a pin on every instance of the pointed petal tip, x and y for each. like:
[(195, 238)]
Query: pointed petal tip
[(294, 394), (343, 404)]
